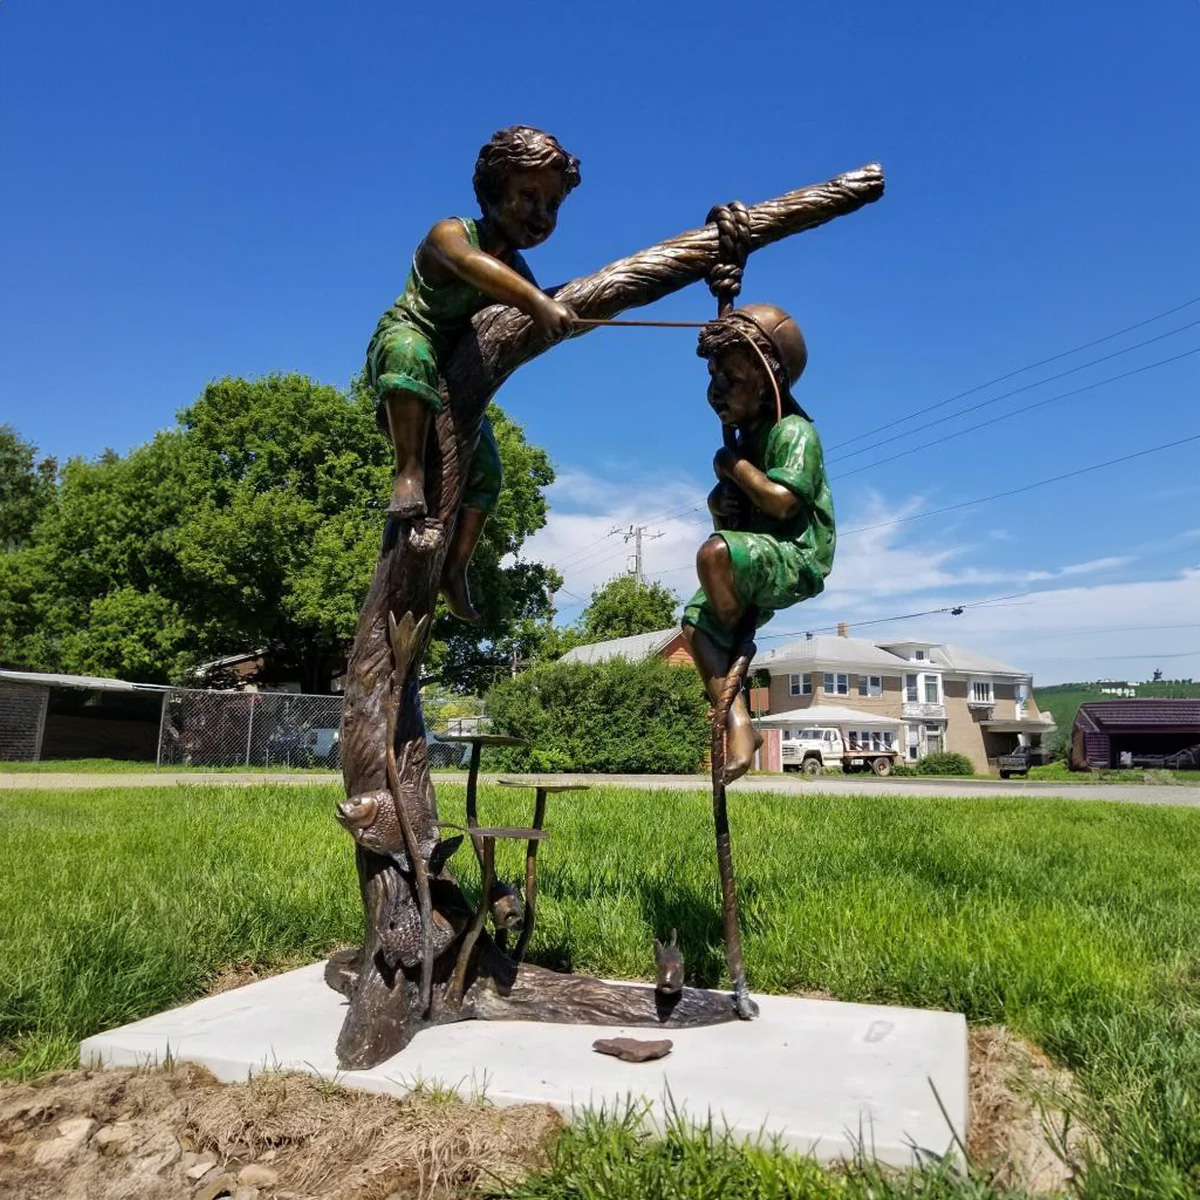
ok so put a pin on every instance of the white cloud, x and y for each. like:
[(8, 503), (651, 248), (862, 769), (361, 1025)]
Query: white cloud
[(1111, 627)]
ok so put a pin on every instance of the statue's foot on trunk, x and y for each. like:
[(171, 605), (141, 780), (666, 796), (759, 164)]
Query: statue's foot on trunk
[(408, 497)]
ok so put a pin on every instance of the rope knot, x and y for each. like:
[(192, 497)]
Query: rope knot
[(733, 248)]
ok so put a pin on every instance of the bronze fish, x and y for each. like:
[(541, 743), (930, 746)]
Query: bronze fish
[(371, 820)]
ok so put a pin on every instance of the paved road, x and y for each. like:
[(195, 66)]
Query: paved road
[(1181, 796)]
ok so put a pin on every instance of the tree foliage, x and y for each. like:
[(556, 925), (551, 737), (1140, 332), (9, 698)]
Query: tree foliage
[(253, 525), (621, 607), (624, 606), (26, 487), (617, 716)]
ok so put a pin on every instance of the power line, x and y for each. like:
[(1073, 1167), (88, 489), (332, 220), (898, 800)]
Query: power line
[(595, 551), (1028, 487), (1016, 412), (955, 610), (1012, 374), (970, 408), (638, 534)]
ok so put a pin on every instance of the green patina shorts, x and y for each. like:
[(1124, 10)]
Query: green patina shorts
[(404, 360), (768, 574)]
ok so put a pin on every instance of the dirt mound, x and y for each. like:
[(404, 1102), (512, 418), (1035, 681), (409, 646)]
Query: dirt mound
[(161, 1134)]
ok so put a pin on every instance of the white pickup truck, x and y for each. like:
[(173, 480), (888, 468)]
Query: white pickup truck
[(812, 750)]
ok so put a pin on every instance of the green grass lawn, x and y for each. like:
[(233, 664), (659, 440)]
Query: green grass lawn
[(123, 766), (1075, 923), (1059, 772)]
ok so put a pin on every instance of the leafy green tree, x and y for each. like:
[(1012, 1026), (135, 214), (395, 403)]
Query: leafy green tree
[(253, 525), (26, 487), (109, 531), (25, 643), (623, 607), (131, 635)]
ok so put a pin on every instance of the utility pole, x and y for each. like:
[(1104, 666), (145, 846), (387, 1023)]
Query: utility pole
[(637, 534)]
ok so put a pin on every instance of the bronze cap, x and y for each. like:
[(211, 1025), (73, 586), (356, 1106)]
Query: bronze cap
[(782, 332)]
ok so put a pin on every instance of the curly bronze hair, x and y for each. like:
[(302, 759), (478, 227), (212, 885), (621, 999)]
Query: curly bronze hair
[(729, 332), (520, 148)]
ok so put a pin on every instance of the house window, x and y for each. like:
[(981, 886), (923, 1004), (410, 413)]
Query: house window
[(837, 684), (931, 690), (870, 685), (910, 689), (919, 655), (799, 685), (981, 691)]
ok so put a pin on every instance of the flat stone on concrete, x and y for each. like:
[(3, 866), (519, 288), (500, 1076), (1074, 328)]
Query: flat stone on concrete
[(824, 1076)]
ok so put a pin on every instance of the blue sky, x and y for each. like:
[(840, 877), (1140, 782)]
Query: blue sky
[(190, 191)]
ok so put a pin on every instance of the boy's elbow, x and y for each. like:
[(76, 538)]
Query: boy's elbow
[(786, 506)]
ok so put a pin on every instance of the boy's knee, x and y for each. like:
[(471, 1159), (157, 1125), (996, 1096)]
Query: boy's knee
[(712, 556)]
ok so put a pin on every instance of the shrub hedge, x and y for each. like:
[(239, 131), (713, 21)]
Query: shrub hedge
[(946, 763), (615, 717)]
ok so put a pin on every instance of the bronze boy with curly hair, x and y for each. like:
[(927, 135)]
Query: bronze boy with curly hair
[(772, 509), (521, 178)]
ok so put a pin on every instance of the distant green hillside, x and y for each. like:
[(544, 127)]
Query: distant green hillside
[(1064, 699)]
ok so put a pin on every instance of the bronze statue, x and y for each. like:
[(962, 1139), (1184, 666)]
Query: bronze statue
[(772, 509), (521, 178), (427, 956)]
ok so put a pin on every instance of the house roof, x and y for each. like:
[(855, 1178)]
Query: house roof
[(636, 648), (1104, 716), (955, 658), (93, 683), (859, 652), (832, 652), (830, 714)]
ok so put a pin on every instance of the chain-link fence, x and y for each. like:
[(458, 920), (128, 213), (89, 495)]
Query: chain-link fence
[(279, 730), (284, 731)]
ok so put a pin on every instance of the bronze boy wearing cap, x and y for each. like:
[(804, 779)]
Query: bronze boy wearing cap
[(772, 509)]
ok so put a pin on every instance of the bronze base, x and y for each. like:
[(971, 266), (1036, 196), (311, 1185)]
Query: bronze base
[(384, 1009)]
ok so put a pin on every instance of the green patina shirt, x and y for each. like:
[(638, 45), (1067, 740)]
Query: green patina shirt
[(411, 341), (414, 335), (777, 562)]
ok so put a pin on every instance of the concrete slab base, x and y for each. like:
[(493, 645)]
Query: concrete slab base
[(825, 1077)]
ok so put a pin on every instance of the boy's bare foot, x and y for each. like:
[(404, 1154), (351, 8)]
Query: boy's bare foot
[(408, 497), (741, 740), (467, 530), (458, 597)]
